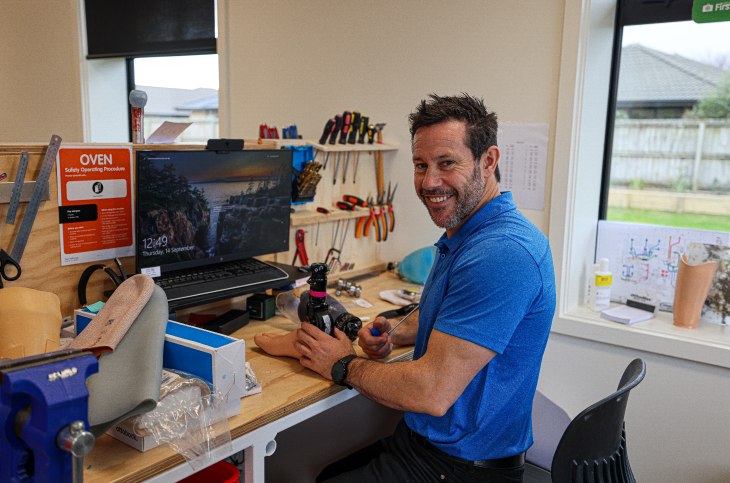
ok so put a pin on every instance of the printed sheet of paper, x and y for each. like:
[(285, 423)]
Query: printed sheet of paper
[(95, 203), (167, 132), (644, 259), (523, 162)]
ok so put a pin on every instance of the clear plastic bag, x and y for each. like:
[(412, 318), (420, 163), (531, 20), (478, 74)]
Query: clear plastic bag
[(189, 418)]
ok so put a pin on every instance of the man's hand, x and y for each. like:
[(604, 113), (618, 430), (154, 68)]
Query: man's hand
[(320, 351), (378, 347)]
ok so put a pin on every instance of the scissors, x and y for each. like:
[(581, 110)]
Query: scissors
[(5, 260)]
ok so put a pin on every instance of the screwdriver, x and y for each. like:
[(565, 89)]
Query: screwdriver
[(354, 128), (328, 128), (338, 126), (363, 129), (375, 332), (347, 121)]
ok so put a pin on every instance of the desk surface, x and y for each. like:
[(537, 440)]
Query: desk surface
[(287, 387)]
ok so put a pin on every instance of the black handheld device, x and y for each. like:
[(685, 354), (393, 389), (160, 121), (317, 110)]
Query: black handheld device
[(318, 312)]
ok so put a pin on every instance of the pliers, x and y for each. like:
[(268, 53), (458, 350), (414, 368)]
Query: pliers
[(301, 249), (375, 218), (389, 205), (361, 221)]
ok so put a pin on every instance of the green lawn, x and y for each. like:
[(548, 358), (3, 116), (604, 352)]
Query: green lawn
[(687, 220)]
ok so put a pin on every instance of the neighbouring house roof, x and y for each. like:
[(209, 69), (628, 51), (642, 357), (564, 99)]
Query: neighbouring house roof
[(166, 101), (209, 103), (651, 78)]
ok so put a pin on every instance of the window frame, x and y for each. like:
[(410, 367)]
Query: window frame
[(628, 13)]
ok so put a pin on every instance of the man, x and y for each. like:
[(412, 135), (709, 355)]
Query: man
[(485, 316)]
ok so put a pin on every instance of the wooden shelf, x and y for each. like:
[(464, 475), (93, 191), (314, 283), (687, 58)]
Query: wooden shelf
[(352, 147), (310, 217), (362, 269)]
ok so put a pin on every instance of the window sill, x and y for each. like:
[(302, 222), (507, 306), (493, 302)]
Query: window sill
[(708, 344)]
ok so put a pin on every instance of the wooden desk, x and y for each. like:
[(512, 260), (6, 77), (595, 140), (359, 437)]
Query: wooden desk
[(290, 395)]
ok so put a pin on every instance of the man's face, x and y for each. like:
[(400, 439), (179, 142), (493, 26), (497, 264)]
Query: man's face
[(448, 180)]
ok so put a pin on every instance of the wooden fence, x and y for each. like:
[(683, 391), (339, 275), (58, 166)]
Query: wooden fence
[(676, 153)]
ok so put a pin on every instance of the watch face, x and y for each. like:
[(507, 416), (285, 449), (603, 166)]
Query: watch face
[(338, 372)]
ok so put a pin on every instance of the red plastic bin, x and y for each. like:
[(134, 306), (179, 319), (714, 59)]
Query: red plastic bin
[(221, 472)]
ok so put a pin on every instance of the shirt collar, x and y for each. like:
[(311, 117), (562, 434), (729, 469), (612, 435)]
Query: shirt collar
[(494, 207)]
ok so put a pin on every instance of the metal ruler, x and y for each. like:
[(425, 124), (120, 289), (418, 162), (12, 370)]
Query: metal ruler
[(17, 188), (35, 198)]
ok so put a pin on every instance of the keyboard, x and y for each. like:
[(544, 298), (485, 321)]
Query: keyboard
[(192, 282)]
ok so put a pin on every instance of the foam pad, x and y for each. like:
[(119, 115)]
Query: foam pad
[(128, 381), (107, 329), (30, 324)]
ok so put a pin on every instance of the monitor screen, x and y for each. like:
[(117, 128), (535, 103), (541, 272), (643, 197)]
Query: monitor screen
[(201, 207)]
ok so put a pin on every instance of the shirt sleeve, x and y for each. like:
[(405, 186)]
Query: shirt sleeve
[(492, 285)]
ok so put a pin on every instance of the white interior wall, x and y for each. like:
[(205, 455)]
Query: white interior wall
[(40, 86), (304, 62)]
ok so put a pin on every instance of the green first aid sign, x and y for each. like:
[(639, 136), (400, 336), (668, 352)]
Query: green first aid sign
[(705, 11)]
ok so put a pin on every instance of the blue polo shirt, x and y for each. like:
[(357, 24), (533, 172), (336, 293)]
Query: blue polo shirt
[(493, 284)]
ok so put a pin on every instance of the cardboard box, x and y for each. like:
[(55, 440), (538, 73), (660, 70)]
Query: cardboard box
[(125, 434), (216, 358)]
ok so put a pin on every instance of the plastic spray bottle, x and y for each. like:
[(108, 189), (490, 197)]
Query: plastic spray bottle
[(601, 290)]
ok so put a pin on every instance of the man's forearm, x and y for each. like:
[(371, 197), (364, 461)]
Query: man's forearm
[(399, 385)]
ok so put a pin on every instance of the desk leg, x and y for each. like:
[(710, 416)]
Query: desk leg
[(253, 457)]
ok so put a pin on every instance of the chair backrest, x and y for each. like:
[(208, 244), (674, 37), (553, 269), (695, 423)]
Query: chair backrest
[(593, 447)]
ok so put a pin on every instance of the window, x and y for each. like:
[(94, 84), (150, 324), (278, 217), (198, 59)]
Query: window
[(668, 133), (180, 89)]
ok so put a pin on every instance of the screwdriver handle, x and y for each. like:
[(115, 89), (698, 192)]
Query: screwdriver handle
[(363, 129), (347, 121), (328, 128), (354, 127), (338, 126), (371, 133)]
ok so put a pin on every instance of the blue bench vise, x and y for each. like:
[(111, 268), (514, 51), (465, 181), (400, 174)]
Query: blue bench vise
[(43, 414)]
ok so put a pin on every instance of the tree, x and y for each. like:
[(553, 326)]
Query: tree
[(715, 104)]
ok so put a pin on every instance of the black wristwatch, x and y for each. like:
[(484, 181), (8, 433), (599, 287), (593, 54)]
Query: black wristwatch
[(339, 370)]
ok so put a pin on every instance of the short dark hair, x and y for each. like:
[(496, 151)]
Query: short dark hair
[(481, 125)]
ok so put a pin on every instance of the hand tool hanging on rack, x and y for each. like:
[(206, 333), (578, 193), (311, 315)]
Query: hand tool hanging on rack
[(389, 205), (345, 205), (362, 220), (346, 124), (383, 220), (363, 129), (355, 201), (17, 188), (339, 123), (329, 128), (26, 226), (326, 212), (301, 249), (347, 163), (375, 220), (347, 266), (356, 120), (333, 255)]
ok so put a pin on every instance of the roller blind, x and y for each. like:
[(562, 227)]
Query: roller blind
[(139, 28), (639, 12)]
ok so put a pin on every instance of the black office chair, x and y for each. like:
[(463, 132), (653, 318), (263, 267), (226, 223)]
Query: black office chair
[(593, 448)]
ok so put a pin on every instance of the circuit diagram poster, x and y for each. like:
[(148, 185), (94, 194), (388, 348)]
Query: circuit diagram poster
[(644, 258), (523, 162), (95, 203)]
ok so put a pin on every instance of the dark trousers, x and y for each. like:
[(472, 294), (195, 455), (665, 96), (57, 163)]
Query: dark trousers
[(400, 458)]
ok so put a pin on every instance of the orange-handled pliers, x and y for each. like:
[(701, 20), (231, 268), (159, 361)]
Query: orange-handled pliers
[(382, 210), (363, 219), (389, 204), (374, 218)]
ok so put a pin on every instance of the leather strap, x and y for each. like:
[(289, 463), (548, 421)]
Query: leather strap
[(508, 462)]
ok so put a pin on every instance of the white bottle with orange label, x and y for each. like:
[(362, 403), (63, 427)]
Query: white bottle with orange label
[(601, 293)]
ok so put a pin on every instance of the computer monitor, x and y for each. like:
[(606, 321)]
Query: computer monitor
[(199, 207)]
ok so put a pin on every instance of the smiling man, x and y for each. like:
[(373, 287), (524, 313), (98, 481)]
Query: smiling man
[(481, 330)]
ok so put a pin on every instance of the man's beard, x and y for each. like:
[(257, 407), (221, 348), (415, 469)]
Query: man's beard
[(464, 204)]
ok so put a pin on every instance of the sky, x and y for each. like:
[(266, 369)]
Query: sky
[(700, 42), (182, 72)]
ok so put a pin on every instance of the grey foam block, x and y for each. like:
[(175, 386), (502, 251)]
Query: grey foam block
[(128, 381)]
